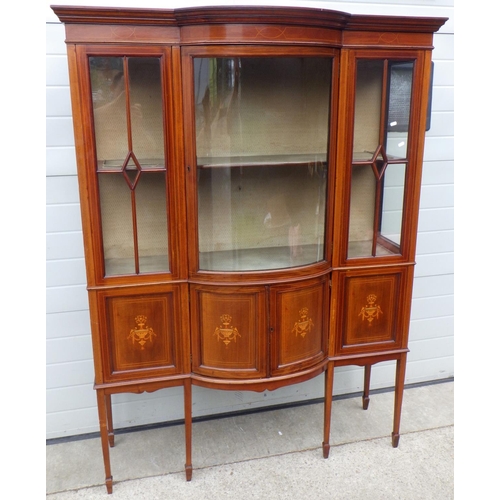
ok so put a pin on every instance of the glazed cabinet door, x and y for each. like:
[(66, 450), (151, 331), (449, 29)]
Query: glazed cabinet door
[(128, 169), (298, 325), (382, 151), (373, 310), (142, 333), (229, 331), (257, 152)]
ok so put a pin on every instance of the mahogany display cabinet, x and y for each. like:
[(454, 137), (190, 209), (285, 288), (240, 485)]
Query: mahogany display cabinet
[(249, 182)]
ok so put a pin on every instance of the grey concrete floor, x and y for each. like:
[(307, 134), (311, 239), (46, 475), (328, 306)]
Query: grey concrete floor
[(276, 455)]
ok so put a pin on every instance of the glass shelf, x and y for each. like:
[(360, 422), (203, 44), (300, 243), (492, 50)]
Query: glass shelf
[(150, 264), (117, 165), (261, 259), (263, 160), (367, 157), (359, 249)]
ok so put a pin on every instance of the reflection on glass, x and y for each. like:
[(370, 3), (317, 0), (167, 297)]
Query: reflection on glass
[(392, 204), (129, 137), (381, 124), (261, 144), (398, 114)]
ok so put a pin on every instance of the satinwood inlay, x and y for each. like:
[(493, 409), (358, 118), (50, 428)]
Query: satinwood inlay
[(141, 333), (225, 332), (304, 325), (371, 310)]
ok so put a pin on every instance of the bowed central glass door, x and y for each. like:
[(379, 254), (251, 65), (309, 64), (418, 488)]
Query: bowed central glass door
[(262, 127)]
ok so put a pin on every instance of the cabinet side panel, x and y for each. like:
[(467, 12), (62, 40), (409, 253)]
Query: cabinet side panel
[(140, 329), (373, 307), (141, 333), (370, 311)]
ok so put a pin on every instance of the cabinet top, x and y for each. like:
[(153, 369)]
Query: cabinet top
[(301, 16)]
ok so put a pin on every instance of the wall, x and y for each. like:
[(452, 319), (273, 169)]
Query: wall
[(71, 403)]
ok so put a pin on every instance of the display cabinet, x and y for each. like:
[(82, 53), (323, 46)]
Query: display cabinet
[(249, 182)]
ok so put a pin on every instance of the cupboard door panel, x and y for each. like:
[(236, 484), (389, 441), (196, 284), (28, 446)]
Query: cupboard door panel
[(142, 334), (229, 331), (372, 306), (299, 325)]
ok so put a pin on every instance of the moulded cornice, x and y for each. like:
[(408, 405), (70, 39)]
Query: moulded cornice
[(246, 15)]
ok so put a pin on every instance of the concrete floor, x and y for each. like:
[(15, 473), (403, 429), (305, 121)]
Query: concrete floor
[(276, 455)]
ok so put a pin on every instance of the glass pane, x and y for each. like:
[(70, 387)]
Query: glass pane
[(118, 216), (261, 142), (129, 131), (110, 111), (362, 213), (381, 124), (113, 81), (392, 208), (146, 111), (152, 230), (398, 121), (117, 224), (368, 108)]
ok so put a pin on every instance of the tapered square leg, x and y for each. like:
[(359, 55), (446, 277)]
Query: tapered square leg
[(366, 388), (398, 397), (188, 424), (102, 409), (109, 420), (328, 409)]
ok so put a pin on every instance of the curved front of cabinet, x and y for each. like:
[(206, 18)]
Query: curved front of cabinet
[(263, 335), (229, 331), (299, 325)]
